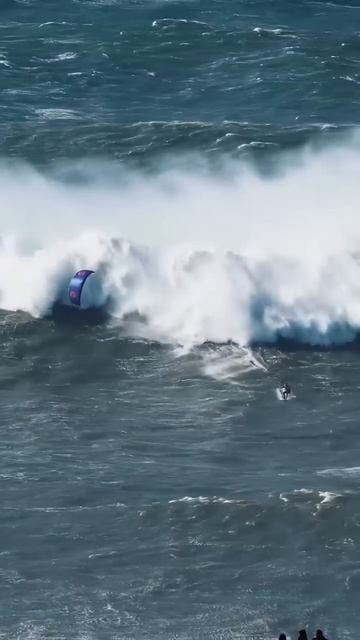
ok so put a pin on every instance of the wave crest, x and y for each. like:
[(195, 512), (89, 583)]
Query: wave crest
[(191, 296), (232, 256)]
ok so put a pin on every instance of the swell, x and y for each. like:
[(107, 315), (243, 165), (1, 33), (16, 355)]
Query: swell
[(145, 144)]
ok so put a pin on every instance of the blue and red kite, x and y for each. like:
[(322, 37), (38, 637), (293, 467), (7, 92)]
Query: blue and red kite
[(76, 285)]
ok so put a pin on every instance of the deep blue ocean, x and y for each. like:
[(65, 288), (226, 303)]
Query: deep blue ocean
[(203, 159)]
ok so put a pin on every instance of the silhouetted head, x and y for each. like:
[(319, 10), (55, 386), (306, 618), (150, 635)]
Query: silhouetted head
[(303, 635), (319, 635), (282, 636)]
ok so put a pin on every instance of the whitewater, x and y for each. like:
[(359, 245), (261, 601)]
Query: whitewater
[(233, 256)]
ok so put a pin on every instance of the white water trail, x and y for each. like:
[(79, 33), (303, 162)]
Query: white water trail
[(231, 363)]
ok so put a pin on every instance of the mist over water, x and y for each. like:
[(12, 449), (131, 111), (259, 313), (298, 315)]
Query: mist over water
[(203, 160), (200, 255)]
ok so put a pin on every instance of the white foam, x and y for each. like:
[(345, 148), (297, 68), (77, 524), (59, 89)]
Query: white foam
[(321, 497), (327, 496), (57, 114), (233, 256), (230, 363), (207, 500), (341, 471), (67, 55)]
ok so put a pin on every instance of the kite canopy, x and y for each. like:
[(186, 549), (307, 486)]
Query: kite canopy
[(76, 286)]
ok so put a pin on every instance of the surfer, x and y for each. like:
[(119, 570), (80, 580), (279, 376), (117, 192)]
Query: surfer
[(285, 391)]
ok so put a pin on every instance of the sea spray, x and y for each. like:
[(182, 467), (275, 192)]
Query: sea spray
[(198, 256)]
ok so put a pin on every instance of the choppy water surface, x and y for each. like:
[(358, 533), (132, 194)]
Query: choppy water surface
[(203, 159)]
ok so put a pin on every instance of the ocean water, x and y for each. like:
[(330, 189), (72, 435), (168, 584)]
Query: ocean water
[(203, 158)]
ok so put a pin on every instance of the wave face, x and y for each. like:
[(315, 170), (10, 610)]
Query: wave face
[(197, 255)]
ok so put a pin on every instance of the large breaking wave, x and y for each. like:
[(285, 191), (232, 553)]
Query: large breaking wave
[(196, 255)]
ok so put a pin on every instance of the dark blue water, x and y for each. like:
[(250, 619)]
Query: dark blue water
[(203, 159), (144, 78)]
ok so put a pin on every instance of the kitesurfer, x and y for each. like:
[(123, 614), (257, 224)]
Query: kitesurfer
[(285, 391)]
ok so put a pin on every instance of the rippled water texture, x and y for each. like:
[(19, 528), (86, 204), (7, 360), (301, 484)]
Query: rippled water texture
[(142, 78), (203, 158)]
